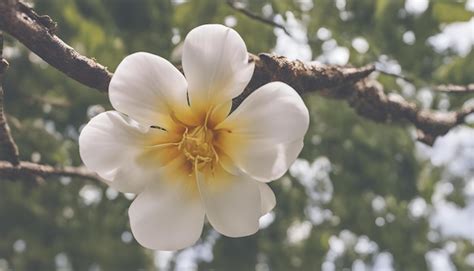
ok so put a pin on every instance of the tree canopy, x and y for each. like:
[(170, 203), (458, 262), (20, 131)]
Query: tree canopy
[(364, 195)]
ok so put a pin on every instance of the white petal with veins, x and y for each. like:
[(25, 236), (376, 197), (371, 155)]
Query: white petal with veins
[(111, 141), (268, 198), (273, 112), (111, 144), (204, 162), (164, 217), (148, 88), (263, 138), (215, 63), (232, 203)]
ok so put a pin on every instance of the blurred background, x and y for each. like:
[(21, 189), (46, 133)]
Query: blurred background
[(362, 196)]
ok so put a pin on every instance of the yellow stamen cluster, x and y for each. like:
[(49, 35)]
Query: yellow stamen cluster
[(197, 145)]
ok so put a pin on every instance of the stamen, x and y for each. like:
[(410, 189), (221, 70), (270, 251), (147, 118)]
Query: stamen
[(215, 154), (175, 119), (198, 147), (183, 138), (164, 145), (209, 112), (196, 171)]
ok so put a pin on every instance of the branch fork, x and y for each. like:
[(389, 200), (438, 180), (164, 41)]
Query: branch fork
[(351, 84)]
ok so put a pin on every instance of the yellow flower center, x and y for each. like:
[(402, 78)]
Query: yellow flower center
[(197, 145)]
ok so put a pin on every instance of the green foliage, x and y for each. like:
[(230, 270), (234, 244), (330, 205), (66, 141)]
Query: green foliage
[(369, 162), (450, 11)]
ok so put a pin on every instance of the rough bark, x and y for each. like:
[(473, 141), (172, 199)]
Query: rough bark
[(351, 84), (27, 170), (456, 88), (8, 148), (37, 33), (348, 83)]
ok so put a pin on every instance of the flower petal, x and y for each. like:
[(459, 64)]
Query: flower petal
[(273, 112), (264, 135), (268, 198), (219, 113), (215, 62), (232, 203), (149, 89), (109, 145), (130, 178), (226, 163), (267, 162), (166, 216)]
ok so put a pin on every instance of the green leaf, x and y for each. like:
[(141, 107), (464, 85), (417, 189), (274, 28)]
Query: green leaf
[(448, 12)]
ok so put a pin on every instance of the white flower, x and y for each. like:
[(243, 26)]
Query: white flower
[(176, 146)]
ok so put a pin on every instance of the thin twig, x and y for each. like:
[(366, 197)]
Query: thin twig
[(9, 149), (240, 8), (449, 88), (455, 88), (396, 75), (366, 96), (28, 169)]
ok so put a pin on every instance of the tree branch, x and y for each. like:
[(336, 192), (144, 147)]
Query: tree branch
[(456, 88), (28, 169), (37, 33), (449, 88), (9, 149), (241, 9), (395, 75), (366, 96), (370, 101)]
